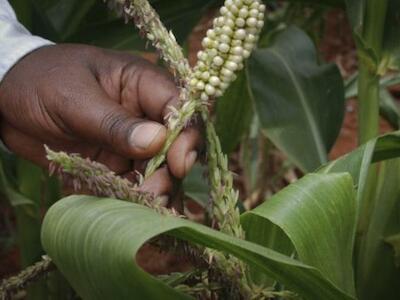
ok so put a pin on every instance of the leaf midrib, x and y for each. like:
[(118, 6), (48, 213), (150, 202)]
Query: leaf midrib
[(310, 120)]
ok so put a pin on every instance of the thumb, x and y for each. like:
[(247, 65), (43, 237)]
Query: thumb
[(108, 124)]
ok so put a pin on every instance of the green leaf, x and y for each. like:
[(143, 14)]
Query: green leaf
[(394, 241), (234, 112), (97, 254), (66, 16), (375, 256), (388, 107), (15, 198), (101, 28), (195, 185), (338, 3), (91, 22), (23, 9), (318, 215), (358, 161), (388, 56), (351, 84), (300, 104), (391, 44), (379, 218)]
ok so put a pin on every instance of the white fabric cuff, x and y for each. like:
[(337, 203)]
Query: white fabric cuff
[(15, 42)]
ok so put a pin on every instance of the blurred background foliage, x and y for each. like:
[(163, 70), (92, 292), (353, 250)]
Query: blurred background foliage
[(91, 22)]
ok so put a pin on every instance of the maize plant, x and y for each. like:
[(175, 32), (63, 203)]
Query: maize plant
[(281, 218)]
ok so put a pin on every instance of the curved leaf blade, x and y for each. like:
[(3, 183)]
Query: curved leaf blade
[(375, 255), (97, 253), (380, 220), (318, 215), (300, 104), (357, 162)]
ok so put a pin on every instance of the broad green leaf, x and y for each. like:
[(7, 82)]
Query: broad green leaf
[(318, 215), (66, 16), (102, 28), (91, 22), (375, 256), (383, 215), (300, 104), (358, 161), (40, 24), (253, 155), (175, 14), (24, 11), (97, 254), (111, 35), (234, 112)]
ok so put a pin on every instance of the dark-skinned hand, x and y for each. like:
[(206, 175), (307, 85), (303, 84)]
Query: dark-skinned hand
[(106, 105)]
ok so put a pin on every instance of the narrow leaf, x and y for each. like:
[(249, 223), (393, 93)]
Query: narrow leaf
[(375, 257)]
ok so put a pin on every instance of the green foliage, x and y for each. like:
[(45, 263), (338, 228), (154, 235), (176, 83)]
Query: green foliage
[(234, 112), (379, 220), (333, 234), (103, 265), (299, 103), (384, 53), (90, 22), (388, 107), (305, 212), (375, 256), (28, 193), (195, 185)]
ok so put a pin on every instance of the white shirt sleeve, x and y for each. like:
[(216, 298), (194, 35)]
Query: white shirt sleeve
[(15, 39)]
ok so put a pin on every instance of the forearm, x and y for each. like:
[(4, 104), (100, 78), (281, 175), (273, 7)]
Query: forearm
[(15, 40)]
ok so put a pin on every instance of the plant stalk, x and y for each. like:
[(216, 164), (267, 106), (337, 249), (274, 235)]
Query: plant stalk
[(368, 84), (368, 105), (368, 110)]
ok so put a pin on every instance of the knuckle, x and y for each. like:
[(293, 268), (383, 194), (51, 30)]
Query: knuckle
[(116, 127)]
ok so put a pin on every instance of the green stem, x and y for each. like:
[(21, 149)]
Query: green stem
[(368, 105), (374, 24), (368, 85), (368, 108)]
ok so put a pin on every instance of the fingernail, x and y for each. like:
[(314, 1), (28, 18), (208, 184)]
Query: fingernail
[(162, 200), (190, 160), (145, 134)]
